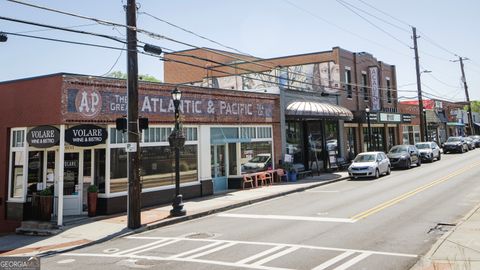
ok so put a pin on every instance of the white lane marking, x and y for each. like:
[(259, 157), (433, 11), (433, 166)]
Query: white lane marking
[(154, 247), (66, 261), (211, 251), (353, 261), (259, 255), (195, 250), (276, 244), (275, 256), (140, 247), (281, 217), (334, 260), (248, 266)]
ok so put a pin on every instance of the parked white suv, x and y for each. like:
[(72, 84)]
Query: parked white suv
[(369, 164), (429, 151)]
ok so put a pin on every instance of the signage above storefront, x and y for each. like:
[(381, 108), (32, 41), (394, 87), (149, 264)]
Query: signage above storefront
[(390, 117), (85, 135), (407, 118), (43, 136), (88, 104)]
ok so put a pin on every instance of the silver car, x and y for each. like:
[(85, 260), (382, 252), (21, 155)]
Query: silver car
[(429, 151), (369, 164)]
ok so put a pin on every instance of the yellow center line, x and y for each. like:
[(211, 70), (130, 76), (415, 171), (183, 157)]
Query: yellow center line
[(409, 194)]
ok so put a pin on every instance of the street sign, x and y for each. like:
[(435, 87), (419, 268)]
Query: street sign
[(131, 147)]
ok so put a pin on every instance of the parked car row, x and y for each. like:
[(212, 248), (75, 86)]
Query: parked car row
[(461, 144), (375, 164)]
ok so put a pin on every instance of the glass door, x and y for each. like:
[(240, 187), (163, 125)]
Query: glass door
[(73, 183), (218, 164)]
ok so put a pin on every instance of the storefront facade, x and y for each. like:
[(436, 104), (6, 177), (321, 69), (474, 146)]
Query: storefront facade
[(71, 142)]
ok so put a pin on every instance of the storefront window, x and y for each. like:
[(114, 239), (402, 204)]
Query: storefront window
[(118, 170), (377, 140), (87, 163), (35, 171), (391, 137), (157, 167), (256, 156), (411, 134), (16, 187), (99, 170), (351, 143), (294, 141)]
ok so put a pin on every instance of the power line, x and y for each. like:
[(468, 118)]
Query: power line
[(376, 17), (193, 33), (66, 41), (159, 36), (371, 23), (114, 64), (68, 27), (437, 45), (151, 34), (63, 29), (385, 13), (344, 29)]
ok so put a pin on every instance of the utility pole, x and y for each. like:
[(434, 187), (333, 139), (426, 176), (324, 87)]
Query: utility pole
[(464, 80), (133, 171), (419, 84)]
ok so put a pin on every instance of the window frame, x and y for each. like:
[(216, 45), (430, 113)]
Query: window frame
[(23, 149), (110, 146)]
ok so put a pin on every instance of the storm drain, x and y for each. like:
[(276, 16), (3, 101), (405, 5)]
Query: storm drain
[(441, 228)]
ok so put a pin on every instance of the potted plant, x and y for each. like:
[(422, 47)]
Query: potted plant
[(45, 204), (291, 171), (92, 200)]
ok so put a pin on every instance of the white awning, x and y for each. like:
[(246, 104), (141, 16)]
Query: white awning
[(320, 110)]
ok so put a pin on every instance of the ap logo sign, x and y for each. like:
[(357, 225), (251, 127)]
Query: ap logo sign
[(88, 102)]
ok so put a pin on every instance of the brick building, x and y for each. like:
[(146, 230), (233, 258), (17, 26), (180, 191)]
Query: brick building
[(350, 81), (43, 119)]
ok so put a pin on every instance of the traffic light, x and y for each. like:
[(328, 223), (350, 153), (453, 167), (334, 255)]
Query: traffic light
[(121, 124), (143, 123)]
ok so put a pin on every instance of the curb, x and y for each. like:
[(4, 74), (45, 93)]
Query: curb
[(426, 259), (167, 222)]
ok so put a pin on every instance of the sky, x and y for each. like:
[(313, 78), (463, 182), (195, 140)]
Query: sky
[(266, 29)]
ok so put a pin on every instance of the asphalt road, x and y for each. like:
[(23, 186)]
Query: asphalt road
[(366, 224)]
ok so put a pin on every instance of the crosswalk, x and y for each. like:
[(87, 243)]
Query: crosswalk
[(262, 255)]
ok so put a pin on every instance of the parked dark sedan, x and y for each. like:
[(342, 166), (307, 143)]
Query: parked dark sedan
[(404, 156), (476, 139), (470, 143), (455, 144)]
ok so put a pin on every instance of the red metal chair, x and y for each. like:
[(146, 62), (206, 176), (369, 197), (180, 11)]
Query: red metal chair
[(247, 179)]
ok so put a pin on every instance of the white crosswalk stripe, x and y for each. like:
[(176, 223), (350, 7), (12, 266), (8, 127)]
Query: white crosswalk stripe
[(343, 258)]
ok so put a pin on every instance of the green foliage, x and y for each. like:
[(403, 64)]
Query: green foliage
[(45, 192), (117, 74), (92, 189), (142, 77), (148, 78), (288, 167), (475, 106)]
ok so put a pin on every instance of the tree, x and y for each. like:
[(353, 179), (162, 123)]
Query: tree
[(475, 106), (142, 77)]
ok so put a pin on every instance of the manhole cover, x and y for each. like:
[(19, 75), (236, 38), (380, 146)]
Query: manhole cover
[(200, 235)]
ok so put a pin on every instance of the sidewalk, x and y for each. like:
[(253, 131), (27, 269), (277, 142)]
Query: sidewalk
[(458, 249), (94, 230)]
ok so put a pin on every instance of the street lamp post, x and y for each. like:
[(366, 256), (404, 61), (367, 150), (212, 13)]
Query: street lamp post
[(369, 142), (177, 141), (425, 124)]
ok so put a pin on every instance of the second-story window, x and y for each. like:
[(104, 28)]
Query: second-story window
[(364, 86), (348, 82), (389, 91)]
